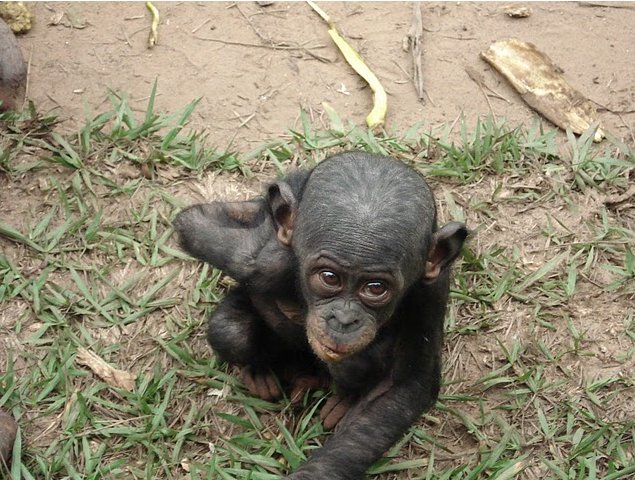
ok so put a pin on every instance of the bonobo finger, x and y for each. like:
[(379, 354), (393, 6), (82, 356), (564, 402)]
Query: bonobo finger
[(304, 383), (334, 410), (329, 405), (272, 386), (260, 384), (247, 377)]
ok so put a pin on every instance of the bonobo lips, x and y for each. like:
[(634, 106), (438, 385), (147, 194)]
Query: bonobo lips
[(331, 350)]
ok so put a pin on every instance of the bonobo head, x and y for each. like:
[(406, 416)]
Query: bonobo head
[(364, 232)]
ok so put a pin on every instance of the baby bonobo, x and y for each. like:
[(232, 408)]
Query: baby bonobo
[(343, 281)]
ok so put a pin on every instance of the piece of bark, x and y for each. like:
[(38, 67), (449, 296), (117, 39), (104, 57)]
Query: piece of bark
[(12, 69), (8, 431), (541, 84)]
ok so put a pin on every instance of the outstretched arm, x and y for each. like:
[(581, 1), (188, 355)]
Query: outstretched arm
[(228, 235), (368, 430)]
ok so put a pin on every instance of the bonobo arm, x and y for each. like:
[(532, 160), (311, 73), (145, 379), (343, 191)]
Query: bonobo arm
[(376, 424), (383, 414), (228, 235), (232, 236)]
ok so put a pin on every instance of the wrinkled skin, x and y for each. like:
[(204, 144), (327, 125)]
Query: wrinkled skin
[(343, 280)]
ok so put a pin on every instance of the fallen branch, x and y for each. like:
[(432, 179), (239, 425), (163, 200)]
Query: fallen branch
[(415, 41)]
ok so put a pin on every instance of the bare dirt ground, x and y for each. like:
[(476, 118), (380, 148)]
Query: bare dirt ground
[(254, 68), (278, 58)]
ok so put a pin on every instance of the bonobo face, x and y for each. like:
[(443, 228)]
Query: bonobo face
[(361, 234), (347, 303)]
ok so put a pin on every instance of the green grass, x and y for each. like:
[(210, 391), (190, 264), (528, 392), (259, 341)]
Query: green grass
[(540, 350)]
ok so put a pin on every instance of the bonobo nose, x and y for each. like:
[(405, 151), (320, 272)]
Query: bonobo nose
[(344, 321)]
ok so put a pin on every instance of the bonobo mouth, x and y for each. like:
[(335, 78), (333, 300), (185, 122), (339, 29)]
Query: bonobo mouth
[(330, 351), (334, 347), (333, 353)]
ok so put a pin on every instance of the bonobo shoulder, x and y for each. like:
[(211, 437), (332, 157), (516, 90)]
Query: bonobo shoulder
[(296, 180)]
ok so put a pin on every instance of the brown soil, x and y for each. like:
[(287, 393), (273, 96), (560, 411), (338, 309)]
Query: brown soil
[(267, 62), (280, 57)]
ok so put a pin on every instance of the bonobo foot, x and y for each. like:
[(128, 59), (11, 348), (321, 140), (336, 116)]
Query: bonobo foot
[(264, 384), (261, 384)]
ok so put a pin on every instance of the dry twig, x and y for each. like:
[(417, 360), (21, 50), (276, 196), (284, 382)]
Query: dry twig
[(153, 38), (415, 40)]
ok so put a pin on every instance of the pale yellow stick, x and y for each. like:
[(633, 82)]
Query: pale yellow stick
[(377, 115), (153, 39)]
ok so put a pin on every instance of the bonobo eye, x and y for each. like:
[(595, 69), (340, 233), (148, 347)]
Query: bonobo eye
[(375, 293), (374, 289), (329, 279), (325, 283)]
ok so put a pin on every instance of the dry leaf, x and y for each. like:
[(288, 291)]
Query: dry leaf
[(377, 115), (541, 84), (109, 374)]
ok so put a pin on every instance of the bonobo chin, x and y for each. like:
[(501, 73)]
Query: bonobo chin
[(343, 278)]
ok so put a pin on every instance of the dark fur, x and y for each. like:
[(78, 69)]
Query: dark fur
[(367, 213)]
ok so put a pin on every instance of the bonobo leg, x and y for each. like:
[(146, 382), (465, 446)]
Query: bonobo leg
[(239, 336)]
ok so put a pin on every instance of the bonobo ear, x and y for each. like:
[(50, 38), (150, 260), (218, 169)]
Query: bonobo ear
[(284, 207), (446, 246)]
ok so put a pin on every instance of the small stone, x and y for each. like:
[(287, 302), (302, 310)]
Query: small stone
[(518, 11)]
